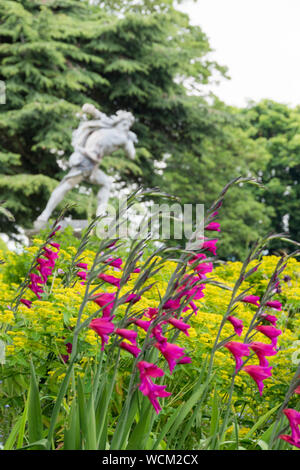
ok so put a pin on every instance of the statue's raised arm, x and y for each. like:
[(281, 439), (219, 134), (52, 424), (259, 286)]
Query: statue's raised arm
[(92, 140)]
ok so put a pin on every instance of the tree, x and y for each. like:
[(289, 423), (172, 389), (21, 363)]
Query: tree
[(141, 56), (279, 125), (56, 55)]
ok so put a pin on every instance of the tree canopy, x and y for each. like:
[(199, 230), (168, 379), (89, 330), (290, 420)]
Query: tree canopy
[(144, 57)]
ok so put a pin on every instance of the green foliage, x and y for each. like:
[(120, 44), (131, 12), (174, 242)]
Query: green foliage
[(279, 126)]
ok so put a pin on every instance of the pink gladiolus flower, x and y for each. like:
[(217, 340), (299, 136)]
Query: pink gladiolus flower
[(82, 275), (153, 391), (54, 231), (157, 334), (105, 300), (144, 324), (103, 328), (171, 352), (210, 245), (213, 226), (274, 304), (110, 279), (258, 374), (55, 245), (238, 350), (36, 289), (172, 304), (51, 255), (149, 369), (26, 302), (65, 357), (262, 350), (127, 334), (294, 419), (198, 256), (297, 390), (251, 299), (180, 325), (137, 270), (151, 312), (184, 360), (270, 331), (82, 265), (115, 262), (237, 325), (132, 298), (134, 350), (271, 318), (35, 279), (44, 268)]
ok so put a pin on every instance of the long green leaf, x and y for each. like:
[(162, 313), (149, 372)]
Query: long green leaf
[(141, 432), (35, 425), (23, 424), (72, 430), (261, 421), (13, 435)]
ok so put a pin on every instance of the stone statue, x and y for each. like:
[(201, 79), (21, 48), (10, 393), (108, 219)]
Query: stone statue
[(92, 140)]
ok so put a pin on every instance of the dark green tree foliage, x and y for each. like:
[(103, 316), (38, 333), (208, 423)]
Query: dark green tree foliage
[(279, 125), (58, 54)]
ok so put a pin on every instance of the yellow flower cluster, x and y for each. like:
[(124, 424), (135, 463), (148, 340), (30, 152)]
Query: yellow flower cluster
[(49, 324)]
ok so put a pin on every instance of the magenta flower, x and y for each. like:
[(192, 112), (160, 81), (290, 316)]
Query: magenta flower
[(134, 350), (157, 334), (149, 369), (144, 324), (110, 279), (258, 374), (274, 304), (153, 391), (151, 312), (103, 328), (172, 304), (184, 360), (44, 268), (270, 331), (171, 352), (50, 255), (237, 324), (82, 275), (133, 298), (297, 390), (213, 226), (82, 265), (55, 245), (294, 419), (180, 325), (198, 256), (105, 300), (54, 231), (115, 262), (238, 350), (127, 334), (270, 318), (262, 350), (26, 302), (210, 245), (251, 299)]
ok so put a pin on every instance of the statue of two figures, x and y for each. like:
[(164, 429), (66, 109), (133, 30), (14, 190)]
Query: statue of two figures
[(94, 138)]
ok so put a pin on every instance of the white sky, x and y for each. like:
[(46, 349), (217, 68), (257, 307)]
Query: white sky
[(259, 42)]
